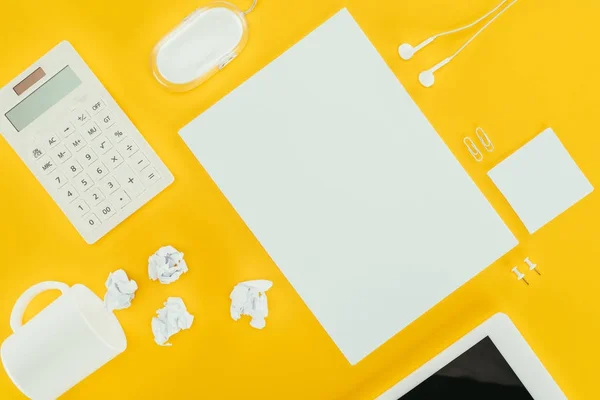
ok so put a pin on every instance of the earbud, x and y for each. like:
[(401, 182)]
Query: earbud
[(426, 78), (406, 51)]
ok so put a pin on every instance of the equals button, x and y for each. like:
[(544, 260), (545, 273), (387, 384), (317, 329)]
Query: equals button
[(150, 176)]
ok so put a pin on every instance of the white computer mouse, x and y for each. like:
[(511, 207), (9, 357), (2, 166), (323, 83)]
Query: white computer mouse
[(204, 43)]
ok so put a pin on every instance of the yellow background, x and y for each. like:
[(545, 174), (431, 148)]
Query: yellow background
[(537, 66)]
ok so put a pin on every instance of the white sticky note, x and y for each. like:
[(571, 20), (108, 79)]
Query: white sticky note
[(540, 180)]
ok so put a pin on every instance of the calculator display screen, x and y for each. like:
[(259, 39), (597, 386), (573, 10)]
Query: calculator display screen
[(43, 98)]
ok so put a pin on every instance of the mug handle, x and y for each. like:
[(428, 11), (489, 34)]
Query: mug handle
[(16, 317)]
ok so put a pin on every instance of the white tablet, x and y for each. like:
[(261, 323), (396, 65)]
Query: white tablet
[(491, 362)]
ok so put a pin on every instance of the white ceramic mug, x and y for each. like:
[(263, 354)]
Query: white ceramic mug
[(63, 344)]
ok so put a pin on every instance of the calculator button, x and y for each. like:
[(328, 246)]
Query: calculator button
[(128, 147), (106, 210), (46, 165), (98, 170), (36, 152), (116, 134), (110, 184), (73, 168), (96, 107), (129, 180), (120, 198), (57, 179), (106, 119), (87, 156), (91, 130), (139, 161), (66, 129), (60, 153), (50, 139), (113, 159), (150, 176), (68, 193), (79, 117), (83, 182), (81, 207), (95, 196), (102, 144), (76, 142), (91, 221)]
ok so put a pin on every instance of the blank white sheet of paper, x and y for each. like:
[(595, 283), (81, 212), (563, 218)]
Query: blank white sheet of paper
[(348, 187), (540, 180)]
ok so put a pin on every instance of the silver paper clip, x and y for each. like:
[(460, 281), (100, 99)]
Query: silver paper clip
[(477, 155), (484, 139)]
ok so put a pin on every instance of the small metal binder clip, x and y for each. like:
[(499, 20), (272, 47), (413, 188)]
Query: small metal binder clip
[(532, 266), (484, 139), (519, 275), (477, 155)]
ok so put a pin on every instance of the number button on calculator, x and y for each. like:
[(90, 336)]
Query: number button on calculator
[(102, 145), (84, 182), (87, 157), (81, 207), (69, 193), (95, 196), (60, 153), (99, 170), (57, 179), (91, 221), (106, 210), (110, 184), (73, 169)]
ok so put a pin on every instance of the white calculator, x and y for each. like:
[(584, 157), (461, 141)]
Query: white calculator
[(79, 144)]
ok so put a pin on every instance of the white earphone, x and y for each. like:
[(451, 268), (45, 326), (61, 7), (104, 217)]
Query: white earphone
[(427, 77)]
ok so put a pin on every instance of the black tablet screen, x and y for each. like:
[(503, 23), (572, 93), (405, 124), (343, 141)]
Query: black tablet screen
[(479, 373)]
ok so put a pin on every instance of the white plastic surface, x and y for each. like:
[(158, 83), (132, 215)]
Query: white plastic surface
[(541, 180), (348, 187), (205, 42), (63, 344)]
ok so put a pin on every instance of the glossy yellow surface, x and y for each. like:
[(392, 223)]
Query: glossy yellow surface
[(537, 66)]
